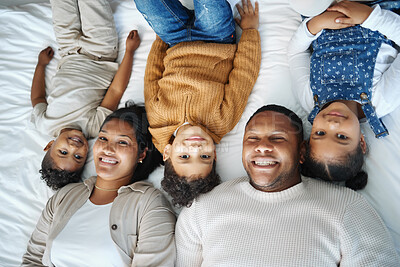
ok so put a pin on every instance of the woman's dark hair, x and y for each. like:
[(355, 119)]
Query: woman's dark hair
[(56, 178), (136, 116), (183, 192), (349, 169)]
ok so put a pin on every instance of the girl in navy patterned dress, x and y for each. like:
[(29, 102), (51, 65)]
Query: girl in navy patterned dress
[(352, 74)]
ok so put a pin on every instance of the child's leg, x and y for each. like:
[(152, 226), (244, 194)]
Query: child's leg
[(213, 21), (67, 25), (168, 18), (99, 37)]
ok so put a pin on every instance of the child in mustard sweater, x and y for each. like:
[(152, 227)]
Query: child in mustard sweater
[(197, 82)]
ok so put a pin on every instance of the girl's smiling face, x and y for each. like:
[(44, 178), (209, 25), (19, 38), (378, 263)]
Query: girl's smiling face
[(335, 133), (116, 151)]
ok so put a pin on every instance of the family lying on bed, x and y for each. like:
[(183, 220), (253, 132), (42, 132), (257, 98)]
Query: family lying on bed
[(197, 82)]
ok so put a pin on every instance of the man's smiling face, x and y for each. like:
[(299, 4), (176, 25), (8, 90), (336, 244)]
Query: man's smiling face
[(271, 152)]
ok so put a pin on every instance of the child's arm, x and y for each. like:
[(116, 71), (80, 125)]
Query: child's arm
[(386, 96), (327, 20), (121, 78), (38, 89), (246, 66), (375, 19), (154, 68)]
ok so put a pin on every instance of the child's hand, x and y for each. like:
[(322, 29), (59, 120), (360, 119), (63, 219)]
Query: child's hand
[(326, 20), (356, 13), (248, 15), (45, 56), (132, 41)]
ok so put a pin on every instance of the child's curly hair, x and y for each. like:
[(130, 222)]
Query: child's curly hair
[(183, 192), (55, 178), (348, 170)]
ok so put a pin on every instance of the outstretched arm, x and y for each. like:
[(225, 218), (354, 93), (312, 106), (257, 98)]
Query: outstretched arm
[(154, 69), (246, 66), (341, 15), (121, 78), (38, 89)]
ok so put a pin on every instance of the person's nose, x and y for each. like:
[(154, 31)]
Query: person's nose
[(333, 123), (194, 144), (264, 146), (109, 149)]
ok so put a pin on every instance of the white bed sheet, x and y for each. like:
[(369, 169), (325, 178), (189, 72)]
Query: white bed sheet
[(27, 28)]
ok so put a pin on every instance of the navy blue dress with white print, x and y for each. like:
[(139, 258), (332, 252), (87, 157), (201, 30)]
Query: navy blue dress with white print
[(342, 67)]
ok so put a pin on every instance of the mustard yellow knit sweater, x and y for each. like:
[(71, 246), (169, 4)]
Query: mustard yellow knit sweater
[(205, 84)]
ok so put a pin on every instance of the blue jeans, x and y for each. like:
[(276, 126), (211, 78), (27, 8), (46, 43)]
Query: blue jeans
[(210, 21)]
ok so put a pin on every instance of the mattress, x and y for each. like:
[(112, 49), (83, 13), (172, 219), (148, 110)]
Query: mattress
[(27, 29)]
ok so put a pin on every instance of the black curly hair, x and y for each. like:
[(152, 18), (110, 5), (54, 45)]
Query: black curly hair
[(56, 178), (136, 116), (347, 169), (183, 192)]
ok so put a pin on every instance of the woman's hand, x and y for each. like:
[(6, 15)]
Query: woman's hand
[(355, 13), (132, 41), (45, 56), (248, 15)]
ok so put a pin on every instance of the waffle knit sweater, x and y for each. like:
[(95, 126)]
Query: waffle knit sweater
[(205, 84), (313, 223)]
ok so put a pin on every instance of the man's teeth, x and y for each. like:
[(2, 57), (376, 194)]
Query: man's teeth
[(109, 161), (265, 163)]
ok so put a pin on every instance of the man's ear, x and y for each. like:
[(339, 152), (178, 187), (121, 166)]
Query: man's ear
[(48, 146), (363, 144), (142, 155), (303, 149), (167, 152)]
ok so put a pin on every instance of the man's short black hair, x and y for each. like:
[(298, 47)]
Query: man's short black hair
[(294, 119)]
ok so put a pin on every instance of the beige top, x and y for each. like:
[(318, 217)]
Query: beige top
[(141, 224), (75, 96), (204, 84)]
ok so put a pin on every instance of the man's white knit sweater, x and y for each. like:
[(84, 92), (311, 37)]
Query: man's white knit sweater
[(313, 223)]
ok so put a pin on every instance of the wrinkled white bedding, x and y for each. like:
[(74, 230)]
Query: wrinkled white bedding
[(27, 28)]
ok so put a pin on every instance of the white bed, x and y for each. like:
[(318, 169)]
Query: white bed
[(26, 29)]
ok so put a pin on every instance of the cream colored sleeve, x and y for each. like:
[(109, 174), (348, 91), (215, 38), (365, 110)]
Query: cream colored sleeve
[(365, 240), (155, 244)]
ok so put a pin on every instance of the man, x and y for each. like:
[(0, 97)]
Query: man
[(275, 217)]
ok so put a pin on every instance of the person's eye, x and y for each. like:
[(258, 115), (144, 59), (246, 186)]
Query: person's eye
[(253, 138), (102, 138), (341, 136), (63, 152), (320, 133), (77, 156), (122, 142), (184, 156), (278, 138), (205, 156)]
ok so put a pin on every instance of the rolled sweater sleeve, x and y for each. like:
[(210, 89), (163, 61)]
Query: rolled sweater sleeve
[(246, 66), (154, 69), (299, 63), (386, 97)]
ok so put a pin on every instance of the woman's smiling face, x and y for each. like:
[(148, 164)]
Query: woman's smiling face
[(116, 151)]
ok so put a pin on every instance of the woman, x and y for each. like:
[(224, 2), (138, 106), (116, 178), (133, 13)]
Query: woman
[(111, 219)]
